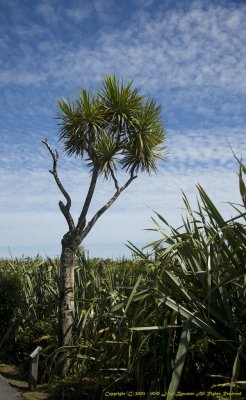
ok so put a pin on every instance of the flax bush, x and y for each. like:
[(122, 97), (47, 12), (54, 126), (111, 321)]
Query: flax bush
[(167, 320), (10, 294), (31, 295), (201, 279)]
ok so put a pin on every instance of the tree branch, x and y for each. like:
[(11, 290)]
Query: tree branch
[(65, 209), (114, 178), (106, 206), (82, 218)]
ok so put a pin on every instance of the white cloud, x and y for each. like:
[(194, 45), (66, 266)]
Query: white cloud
[(105, 9), (48, 12), (144, 3), (80, 13), (173, 49)]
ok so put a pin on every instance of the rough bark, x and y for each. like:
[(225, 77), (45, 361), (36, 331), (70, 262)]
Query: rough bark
[(66, 301)]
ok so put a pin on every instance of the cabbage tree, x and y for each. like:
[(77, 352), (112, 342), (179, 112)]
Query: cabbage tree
[(115, 129)]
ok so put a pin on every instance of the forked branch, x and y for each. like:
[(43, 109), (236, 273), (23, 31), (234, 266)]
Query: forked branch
[(65, 209), (82, 218), (114, 178), (106, 206)]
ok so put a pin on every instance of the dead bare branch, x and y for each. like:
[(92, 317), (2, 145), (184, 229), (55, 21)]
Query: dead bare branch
[(65, 209)]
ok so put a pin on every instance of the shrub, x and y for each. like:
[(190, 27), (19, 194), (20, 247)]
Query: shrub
[(10, 296)]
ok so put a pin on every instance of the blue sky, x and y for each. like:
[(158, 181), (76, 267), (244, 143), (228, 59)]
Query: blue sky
[(189, 55)]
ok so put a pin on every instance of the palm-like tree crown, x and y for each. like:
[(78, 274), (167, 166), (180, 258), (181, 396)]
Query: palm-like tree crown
[(116, 128)]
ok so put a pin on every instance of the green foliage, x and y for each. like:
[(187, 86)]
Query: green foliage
[(10, 295), (116, 128), (89, 388), (201, 277), (34, 295), (170, 320)]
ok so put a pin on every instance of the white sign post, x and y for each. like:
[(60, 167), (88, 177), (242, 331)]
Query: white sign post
[(33, 374)]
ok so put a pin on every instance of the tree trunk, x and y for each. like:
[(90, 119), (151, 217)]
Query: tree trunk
[(66, 301)]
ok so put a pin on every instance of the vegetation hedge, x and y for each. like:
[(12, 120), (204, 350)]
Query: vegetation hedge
[(170, 319)]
